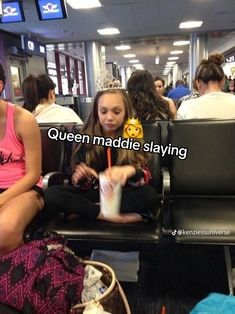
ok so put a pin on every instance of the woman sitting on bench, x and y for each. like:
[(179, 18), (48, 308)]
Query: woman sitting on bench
[(110, 111), (20, 169)]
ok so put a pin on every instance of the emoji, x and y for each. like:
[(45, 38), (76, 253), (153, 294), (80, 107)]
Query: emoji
[(133, 129)]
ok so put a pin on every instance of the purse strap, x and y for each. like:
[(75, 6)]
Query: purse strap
[(110, 288)]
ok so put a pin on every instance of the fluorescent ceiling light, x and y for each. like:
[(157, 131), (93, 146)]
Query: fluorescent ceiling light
[(171, 62), (134, 61), (176, 52), (130, 55), (157, 60), (190, 24), (81, 4), (173, 58), (123, 47), (108, 31), (138, 66), (181, 43)]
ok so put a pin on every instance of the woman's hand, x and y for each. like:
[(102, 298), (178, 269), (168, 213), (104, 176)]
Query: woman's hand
[(120, 173), (82, 171)]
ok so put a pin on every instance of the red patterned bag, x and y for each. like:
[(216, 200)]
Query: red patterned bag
[(43, 276)]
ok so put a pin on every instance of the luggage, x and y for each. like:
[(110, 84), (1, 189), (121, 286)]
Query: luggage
[(43, 276), (46, 277)]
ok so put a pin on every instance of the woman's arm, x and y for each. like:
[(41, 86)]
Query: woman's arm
[(82, 171), (28, 132), (172, 107), (128, 173), (120, 173)]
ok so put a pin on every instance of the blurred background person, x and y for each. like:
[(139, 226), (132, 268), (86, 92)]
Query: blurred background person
[(213, 103), (232, 86), (179, 91), (39, 98), (194, 94), (147, 103), (160, 88)]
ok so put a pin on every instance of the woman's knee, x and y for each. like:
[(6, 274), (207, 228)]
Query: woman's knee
[(10, 236)]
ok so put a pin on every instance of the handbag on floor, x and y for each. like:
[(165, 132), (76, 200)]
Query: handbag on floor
[(42, 277), (112, 301)]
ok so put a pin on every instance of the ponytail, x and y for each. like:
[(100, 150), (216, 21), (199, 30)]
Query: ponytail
[(30, 93)]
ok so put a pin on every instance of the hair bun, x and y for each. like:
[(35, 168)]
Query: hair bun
[(217, 58)]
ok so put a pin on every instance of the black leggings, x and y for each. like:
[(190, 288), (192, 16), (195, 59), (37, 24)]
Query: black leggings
[(70, 199)]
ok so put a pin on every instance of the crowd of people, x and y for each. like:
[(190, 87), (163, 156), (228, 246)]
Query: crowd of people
[(21, 195)]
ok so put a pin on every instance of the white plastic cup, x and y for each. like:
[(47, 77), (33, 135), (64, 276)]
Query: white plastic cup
[(110, 196)]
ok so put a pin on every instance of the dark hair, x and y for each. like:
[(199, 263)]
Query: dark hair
[(35, 89), (92, 128), (179, 82), (159, 78), (30, 93), (210, 69), (2, 76), (145, 100)]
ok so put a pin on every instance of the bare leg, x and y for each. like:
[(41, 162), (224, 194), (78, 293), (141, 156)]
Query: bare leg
[(15, 215)]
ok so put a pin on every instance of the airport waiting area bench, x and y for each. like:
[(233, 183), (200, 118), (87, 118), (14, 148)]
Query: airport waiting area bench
[(195, 186)]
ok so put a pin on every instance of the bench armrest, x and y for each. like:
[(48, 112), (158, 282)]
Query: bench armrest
[(54, 178)]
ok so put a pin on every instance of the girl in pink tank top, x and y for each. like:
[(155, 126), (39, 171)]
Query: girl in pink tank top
[(21, 196)]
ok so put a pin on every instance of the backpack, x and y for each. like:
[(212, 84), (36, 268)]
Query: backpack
[(43, 276)]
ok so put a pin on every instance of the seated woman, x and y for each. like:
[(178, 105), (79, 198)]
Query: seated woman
[(111, 109), (213, 103), (159, 86), (21, 196), (39, 98), (147, 103)]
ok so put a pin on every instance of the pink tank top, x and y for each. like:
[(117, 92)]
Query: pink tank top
[(12, 162)]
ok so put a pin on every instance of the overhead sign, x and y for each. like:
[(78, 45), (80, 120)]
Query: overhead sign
[(230, 59), (33, 47), (12, 12), (51, 9)]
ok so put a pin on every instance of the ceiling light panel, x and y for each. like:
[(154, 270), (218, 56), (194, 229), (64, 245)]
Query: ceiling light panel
[(173, 58), (108, 31), (134, 61), (176, 52), (190, 24), (129, 55), (181, 43), (123, 47), (81, 4)]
